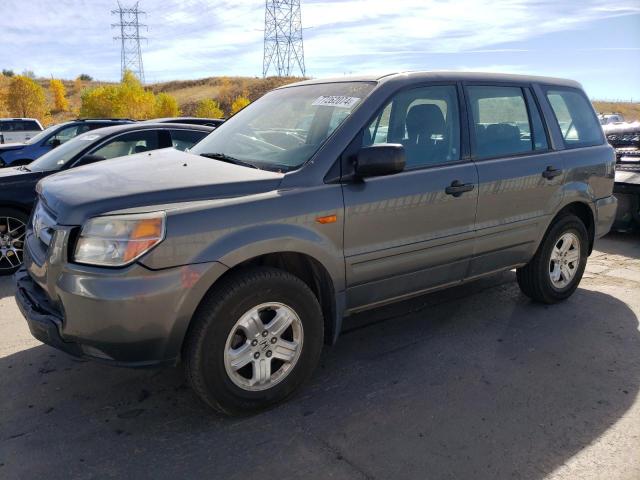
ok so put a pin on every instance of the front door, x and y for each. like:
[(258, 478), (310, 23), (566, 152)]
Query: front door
[(410, 232)]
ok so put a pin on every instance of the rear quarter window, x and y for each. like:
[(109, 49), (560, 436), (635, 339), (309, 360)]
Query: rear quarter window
[(575, 116)]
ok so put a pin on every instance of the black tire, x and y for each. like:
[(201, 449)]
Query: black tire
[(214, 320), (534, 278), (8, 257)]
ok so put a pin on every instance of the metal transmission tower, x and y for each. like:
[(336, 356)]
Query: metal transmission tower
[(283, 46), (131, 55)]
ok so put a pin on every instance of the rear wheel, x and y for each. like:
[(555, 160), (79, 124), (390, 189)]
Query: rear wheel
[(255, 339), (555, 271), (13, 229)]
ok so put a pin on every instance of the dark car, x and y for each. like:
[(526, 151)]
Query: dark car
[(211, 122), (14, 154), (243, 255), (17, 184)]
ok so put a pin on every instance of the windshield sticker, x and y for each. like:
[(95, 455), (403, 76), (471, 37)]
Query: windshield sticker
[(89, 137), (335, 101)]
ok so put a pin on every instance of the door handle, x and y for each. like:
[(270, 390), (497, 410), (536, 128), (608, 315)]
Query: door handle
[(456, 188), (551, 172)]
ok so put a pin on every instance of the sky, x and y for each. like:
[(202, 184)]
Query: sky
[(596, 42)]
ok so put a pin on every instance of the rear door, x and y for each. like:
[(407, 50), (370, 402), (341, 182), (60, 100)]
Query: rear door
[(409, 232), (520, 178)]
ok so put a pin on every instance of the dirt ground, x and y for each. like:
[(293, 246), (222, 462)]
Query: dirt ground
[(475, 382)]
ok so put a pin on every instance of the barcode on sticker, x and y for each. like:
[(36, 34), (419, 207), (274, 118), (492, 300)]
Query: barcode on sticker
[(335, 101)]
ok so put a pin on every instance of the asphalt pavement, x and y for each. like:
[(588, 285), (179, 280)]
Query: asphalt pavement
[(476, 382)]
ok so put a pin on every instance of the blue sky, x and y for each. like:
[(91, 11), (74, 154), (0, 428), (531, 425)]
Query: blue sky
[(594, 42)]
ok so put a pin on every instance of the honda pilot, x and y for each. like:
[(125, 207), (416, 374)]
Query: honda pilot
[(241, 257)]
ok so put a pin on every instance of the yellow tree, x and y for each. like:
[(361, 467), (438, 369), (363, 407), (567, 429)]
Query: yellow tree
[(99, 102), (166, 106), (133, 100), (25, 98), (58, 92), (209, 108), (239, 103)]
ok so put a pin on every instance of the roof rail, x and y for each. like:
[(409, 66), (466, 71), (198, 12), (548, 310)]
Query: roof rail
[(110, 119)]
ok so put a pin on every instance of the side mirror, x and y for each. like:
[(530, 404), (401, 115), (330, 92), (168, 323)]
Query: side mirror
[(89, 159), (55, 142), (379, 160)]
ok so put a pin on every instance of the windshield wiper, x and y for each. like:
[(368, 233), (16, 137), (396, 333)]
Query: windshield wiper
[(24, 168), (228, 159)]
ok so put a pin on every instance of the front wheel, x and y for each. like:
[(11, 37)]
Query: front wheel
[(255, 339), (555, 271), (13, 229)]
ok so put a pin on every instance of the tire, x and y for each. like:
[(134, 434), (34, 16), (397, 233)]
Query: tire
[(536, 279), (13, 225), (207, 353)]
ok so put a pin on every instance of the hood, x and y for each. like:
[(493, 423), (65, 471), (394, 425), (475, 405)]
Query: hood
[(155, 178), (12, 175), (11, 146)]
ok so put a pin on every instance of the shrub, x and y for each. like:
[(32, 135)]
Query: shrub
[(239, 103), (166, 106), (209, 108), (58, 92)]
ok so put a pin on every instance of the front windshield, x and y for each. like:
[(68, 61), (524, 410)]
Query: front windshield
[(283, 129), (42, 134), (55, 159)]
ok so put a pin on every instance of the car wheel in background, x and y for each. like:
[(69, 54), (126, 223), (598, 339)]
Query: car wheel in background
[(13, 229)]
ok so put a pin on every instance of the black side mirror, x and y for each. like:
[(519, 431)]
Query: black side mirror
[(89, 159), (55, 142), (379, 160)]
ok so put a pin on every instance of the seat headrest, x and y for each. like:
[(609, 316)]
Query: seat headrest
[(141, 148), (423, 121)]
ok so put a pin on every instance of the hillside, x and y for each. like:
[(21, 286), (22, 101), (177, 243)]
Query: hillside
[(225, 89)]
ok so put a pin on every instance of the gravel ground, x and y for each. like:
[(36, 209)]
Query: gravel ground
[(475, 382)]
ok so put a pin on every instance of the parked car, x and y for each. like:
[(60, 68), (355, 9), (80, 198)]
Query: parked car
[(211, 122), (610, 118), (23, 153), (17, 184), (18, 130), (243, 255), (625, 138)]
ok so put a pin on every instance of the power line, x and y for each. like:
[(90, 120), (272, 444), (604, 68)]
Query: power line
[(283, 45), (131, 54)]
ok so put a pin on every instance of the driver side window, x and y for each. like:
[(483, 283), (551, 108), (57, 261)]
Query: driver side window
[(425, 121)]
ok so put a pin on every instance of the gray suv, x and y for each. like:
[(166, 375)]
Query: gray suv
[(324, 198)]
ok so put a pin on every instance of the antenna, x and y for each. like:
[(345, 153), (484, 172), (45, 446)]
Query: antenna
[(283, 45), (131, 55)]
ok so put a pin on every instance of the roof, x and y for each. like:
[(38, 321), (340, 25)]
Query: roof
[(444, 76), (149, 126)]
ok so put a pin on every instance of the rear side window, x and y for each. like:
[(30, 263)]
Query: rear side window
[(500, 121), (30, 125), (578, 123), (128, 144), (183, 139)]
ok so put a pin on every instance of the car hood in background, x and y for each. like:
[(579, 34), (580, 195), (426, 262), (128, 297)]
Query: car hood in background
[(14, 175), (11, 146), (147, 179)]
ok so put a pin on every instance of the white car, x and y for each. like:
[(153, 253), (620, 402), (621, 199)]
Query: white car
[(610, 118), (18, 130)]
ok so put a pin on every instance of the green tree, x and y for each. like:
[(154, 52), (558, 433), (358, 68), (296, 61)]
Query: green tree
[(166, 106), (209, 108), (7, 73), (25, 98), (239, 103), (85, 78), (58, 92)]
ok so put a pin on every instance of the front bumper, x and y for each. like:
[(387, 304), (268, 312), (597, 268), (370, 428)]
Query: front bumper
[(132, 317), (43, 319)]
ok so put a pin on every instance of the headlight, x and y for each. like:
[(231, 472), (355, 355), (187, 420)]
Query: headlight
[(118, 240)]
